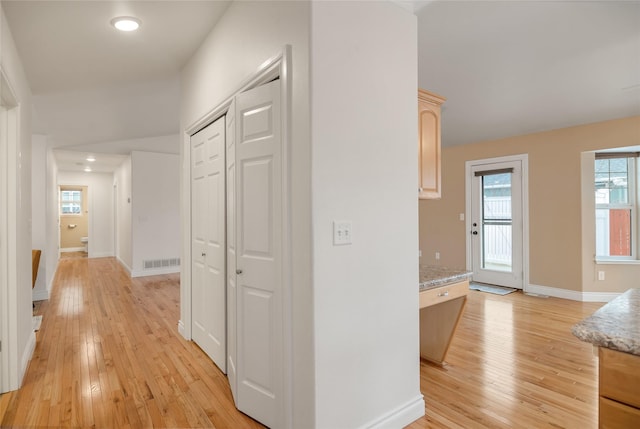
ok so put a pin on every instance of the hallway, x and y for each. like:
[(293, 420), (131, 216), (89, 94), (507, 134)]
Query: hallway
[(109, 354)]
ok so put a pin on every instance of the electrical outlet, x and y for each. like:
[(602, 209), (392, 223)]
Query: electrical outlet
[(437, 256), (342, 233), (600, 275)]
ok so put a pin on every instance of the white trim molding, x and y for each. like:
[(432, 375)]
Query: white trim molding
[(27, 355), (155, 272), (401, 416), (572, 295), (10, 358), (524, 162)]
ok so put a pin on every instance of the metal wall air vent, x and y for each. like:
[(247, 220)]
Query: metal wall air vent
[(152, 264)]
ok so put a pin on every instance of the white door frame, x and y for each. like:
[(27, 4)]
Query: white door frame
[(9, 159), (278, 66), (524, 159)]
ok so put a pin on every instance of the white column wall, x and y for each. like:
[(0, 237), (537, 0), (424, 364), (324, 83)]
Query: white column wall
[(122, 180), (39, 212), (364, 152), (52, 212)]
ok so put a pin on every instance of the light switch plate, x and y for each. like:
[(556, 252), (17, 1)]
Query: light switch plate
[(342, 233)]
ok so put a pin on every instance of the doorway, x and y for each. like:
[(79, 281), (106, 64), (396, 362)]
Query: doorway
[(9, 209), (497, 221), (73, 212)]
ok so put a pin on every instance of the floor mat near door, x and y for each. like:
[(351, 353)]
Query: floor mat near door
[(496, 290)]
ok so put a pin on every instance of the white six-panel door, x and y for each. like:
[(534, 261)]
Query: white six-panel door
[(259, 228), (208, 244)]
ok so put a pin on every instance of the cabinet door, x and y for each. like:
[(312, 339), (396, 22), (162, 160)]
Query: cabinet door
[(429, 175)]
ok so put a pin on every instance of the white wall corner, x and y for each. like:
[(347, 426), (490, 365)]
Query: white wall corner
[(124, 265), (401, 416)]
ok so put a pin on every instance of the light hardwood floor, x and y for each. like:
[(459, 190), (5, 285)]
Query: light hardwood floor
[(108, 355), (513, 363)]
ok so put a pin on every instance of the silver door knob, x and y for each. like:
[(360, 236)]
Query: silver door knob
[(238, 271)]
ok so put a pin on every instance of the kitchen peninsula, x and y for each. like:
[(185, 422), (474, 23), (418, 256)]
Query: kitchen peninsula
[(615, 330), (443, 294)]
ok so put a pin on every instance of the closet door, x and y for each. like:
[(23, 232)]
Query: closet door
[(208, 246), (259, 198)]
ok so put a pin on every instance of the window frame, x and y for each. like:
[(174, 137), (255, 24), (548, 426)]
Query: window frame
[(633, 199), (71, 201)]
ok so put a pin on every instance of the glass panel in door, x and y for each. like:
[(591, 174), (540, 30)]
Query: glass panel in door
[(497, 222)]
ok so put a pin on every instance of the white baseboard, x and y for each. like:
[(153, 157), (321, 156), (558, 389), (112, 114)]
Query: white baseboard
[(181, 330), (100, 254), (401, 416), (71, 249), (39, 295), (125, 266), (573, 295), (52, 279), (27, 355), (599, 296), (155, 272)]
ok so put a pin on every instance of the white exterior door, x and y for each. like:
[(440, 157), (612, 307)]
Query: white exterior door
[(496, 223), (208, 247), (259, 198), (231, 252)]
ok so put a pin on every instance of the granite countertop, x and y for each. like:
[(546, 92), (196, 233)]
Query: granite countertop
[(615, 326), (432, 276)]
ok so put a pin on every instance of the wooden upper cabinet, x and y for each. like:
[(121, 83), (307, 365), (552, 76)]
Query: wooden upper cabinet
[(429, 175)]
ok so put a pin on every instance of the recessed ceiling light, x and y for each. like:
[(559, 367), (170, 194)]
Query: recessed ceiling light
[(91, 158), (87, 169), (126, 23)]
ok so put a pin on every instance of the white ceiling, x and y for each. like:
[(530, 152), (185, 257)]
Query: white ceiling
[(77, 161), (517, 67), (506, 68)]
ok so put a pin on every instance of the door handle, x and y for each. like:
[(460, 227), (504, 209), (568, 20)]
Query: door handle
[(238, 271), (204, 254)]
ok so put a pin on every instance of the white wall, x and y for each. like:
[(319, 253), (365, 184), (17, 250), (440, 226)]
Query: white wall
[(155, 210), (245, 37), (39, 212), (122, 182), (22, 338), (101, 222), (52, 210), (364, 134)]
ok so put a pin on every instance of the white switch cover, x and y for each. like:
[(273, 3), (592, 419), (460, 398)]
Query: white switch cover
[(342, 233), (600, 275), (461, 216)]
